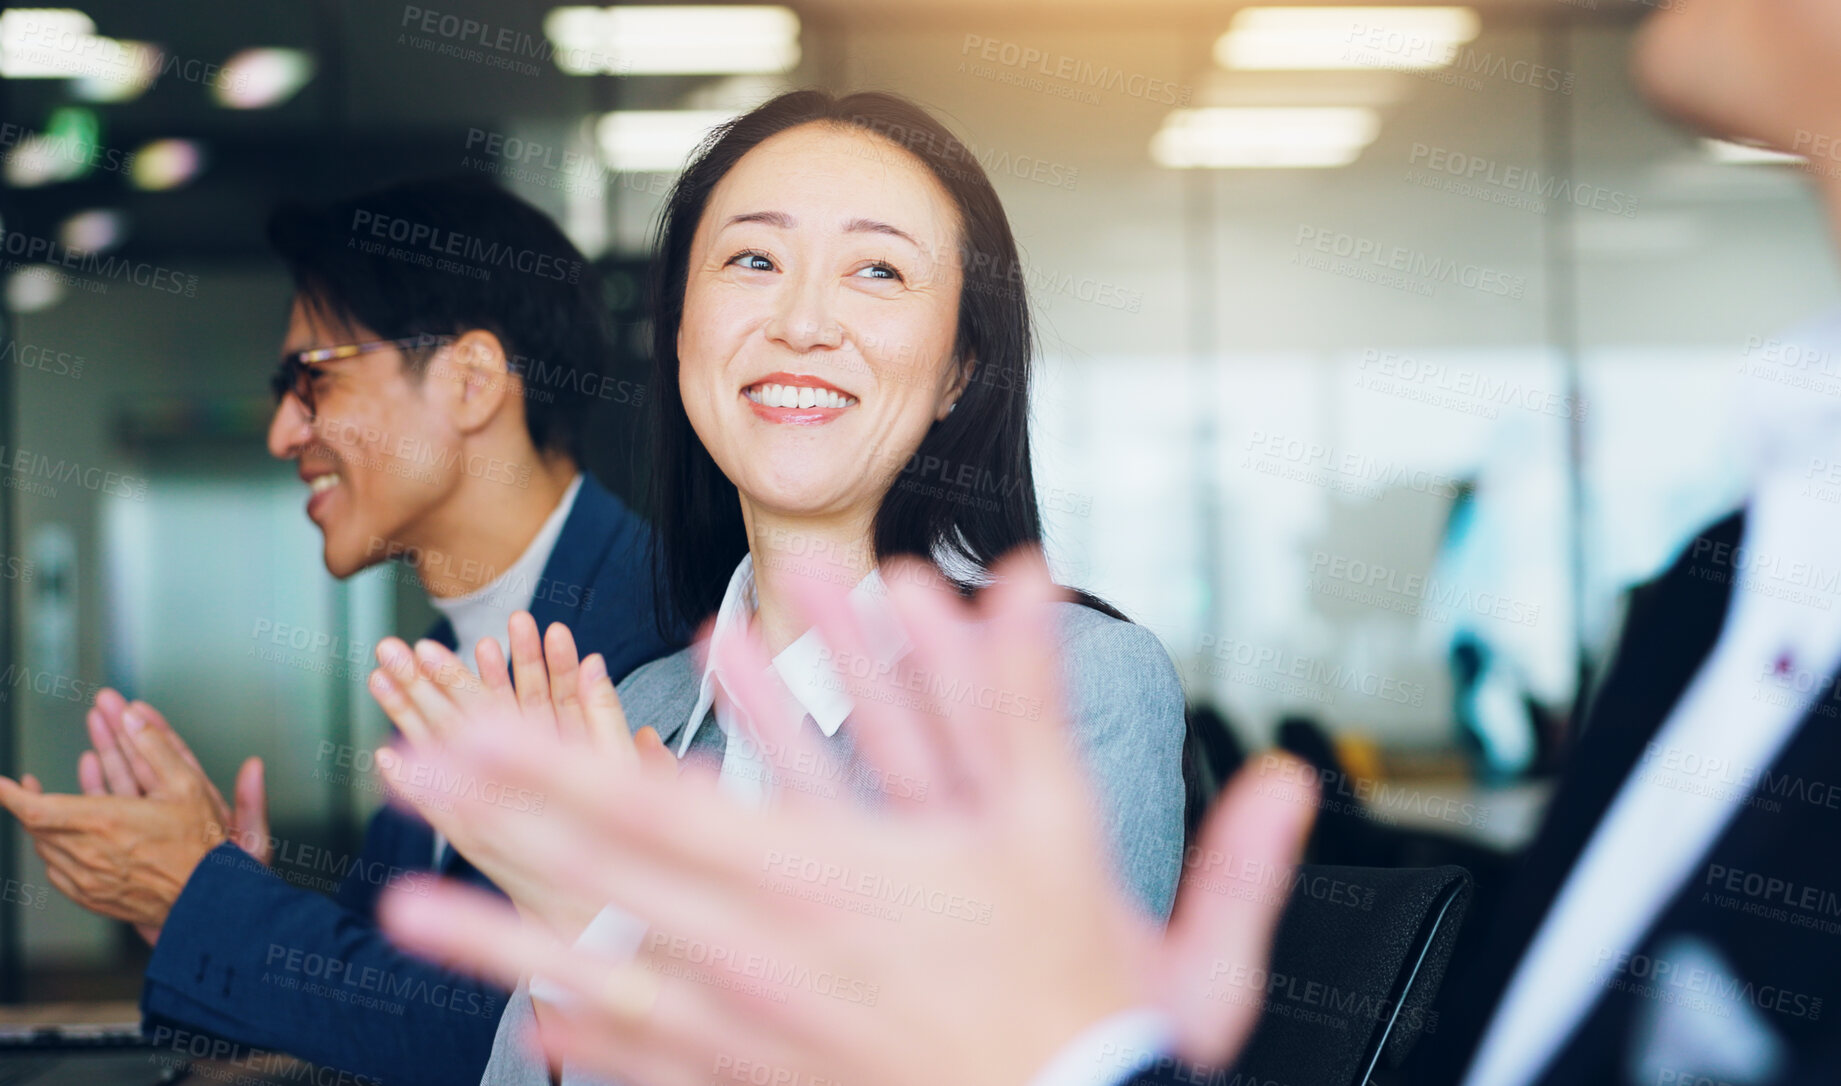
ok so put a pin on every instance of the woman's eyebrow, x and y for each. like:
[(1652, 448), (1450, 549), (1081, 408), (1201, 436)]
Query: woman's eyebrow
[(771, 218), (855, 226), (872, 226)]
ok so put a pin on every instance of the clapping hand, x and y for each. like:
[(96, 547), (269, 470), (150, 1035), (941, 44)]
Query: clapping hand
[(148, 814), (964, 932), (433, 699)]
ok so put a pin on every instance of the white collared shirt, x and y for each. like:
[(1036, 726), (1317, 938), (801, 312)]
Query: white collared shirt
[(804, 671)]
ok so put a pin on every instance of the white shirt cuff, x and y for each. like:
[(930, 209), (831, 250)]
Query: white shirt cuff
[(1110, 1051), (613, 933)]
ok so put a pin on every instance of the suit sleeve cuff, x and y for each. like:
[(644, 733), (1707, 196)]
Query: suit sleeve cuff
[(1110, 1051), (206, 907)]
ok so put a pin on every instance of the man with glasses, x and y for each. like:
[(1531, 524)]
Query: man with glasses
[(444, 348)]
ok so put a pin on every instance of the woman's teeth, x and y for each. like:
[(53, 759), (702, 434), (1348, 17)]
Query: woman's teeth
[(322, 483), (797, 396)]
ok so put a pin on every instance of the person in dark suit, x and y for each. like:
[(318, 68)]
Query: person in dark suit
[(1723, 974), (444, 346)]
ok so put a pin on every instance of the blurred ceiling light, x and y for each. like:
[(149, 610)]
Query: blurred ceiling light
[(656, 140), (33, 289), (64, 151), (94, 231), (166, 164), (62, 43), (1345, 37), (1264, 139), (701, 40), (740, 93), (125, 78), (38, 161), (262, 78), (40, 43), (1729, 153)]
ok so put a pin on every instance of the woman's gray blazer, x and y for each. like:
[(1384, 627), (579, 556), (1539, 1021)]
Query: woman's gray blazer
[(1126, 704)]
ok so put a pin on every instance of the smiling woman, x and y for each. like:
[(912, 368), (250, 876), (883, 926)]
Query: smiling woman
[(856, 238), (836, 303)]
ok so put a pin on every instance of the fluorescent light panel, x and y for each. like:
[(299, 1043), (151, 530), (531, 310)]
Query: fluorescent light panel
[(654, 140), (1264, 139), (29, 39), (62, 43), (1315, 39), (703, 40)]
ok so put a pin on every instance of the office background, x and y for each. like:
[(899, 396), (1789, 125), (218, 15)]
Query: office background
[(1370, 382)]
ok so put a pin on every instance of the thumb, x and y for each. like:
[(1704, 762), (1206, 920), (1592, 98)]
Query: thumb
[(251, 818), (655, 759)]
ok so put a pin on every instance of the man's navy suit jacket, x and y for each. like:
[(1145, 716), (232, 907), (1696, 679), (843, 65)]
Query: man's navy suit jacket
[(1784, 960), (247, 957)]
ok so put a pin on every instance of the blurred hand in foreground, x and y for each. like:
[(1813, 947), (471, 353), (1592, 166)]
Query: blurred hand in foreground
[(965, 931)]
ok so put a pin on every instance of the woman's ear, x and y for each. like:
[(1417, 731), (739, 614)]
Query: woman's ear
[(949, 399)]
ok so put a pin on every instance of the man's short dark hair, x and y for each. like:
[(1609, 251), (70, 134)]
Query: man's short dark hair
[(449, 255)]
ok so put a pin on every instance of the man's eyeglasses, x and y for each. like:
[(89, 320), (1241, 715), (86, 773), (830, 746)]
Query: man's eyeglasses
[(297, 371)]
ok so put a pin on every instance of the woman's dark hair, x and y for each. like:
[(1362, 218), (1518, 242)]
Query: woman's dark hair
[(448, 255), (964, 528)]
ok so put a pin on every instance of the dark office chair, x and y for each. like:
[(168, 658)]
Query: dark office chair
[(1359, 957)]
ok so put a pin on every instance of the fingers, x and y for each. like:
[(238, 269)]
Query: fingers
[(602, 716), (393, 768), (141, 769), (667, 846), (444, 691), (32, 785), (528, 671), (250, 821), (442, 668), (1221, 924), (464, 928), (950, 654), (890, 732), (103, 728), (152, 756), (489, 659), (479, 935), (1024, 657), (37, 813), (158, 720), (110, 702), (89, 774), (559, 658), (790, 748), (390, 684)]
